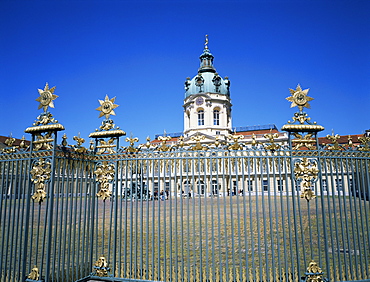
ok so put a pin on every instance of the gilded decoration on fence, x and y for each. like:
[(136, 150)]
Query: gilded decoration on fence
[(301, 126), (303, 141), (47, 97), (164, 147), (64, 140), (306, 171), (217, 141), (254, 140), (299, 98), (45, 124), (107, 107), (43, 140), (147, 144), (314, 273), (101, 267), (104, 174), (79, 148), (365, 141), (334, 139), (198, 146), (181, 143), (34, 274), (11, 148), (272, 146), (107, 129), (40, 173), (235, 137), (131, 148), (106, 146)]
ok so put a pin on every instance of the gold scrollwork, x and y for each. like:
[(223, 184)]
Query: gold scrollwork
[(147, 144), (34, 274), (79, 148), (104, 174), (43, 141), (101, 267), (314, 273), (163, 147), (235, 137), (365, 143), (181, 143), (106, 146), (40, 173), (272, 146), (334, 140), (307, 172), (198, 146), (303, 141), (9, 142), (131, 148)]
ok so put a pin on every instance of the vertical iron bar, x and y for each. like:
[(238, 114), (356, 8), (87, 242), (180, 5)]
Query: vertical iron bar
[(51, 209), (27, 212)]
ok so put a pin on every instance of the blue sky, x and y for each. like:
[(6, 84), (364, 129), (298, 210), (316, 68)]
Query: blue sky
[(142, 51)]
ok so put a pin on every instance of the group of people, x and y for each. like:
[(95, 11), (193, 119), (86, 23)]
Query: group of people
[(163, 195)]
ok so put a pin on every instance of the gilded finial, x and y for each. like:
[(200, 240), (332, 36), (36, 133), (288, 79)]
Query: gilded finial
[(46, 97), (107, 107), (206, 42), (299, 98)]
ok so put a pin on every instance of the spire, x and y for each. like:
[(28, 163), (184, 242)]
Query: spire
[(206, 59)]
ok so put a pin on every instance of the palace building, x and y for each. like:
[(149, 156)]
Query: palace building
[(207, 110)]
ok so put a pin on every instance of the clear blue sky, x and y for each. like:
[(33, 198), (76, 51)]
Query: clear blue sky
[(142, 51)]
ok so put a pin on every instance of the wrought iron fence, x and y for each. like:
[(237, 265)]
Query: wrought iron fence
[(190, 212), (185, 215)]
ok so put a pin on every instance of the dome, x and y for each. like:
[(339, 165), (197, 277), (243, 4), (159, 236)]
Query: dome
[(207, 80)]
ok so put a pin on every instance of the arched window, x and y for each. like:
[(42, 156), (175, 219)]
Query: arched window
[(200, 187), (216, 117), (214, 187), (200, 117)]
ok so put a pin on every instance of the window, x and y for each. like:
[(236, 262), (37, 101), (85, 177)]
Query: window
[(201, 187), (265, 185), (200, 117), (324, 185), (235, 188), (250, 185), (338, 184), (167, 186), (280, 185), (187, 186), (216, 117), (214, 187)]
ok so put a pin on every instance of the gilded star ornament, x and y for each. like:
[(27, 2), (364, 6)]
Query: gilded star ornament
[(107, 107), (47, 97), (299, 98)]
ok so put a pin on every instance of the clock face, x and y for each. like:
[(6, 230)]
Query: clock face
[(199, 101)]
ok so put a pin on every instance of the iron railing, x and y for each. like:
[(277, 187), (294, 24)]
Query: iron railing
[(230, 215)]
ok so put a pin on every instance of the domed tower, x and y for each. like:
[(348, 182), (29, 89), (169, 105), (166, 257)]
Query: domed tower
[(207, 107)]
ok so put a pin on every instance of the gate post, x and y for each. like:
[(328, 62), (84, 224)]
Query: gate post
[(303, 170), (107, 142), (44, 130)]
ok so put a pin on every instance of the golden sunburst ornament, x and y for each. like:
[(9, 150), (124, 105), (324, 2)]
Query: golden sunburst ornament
[(106, 107), (46, 97), (299, 98)]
